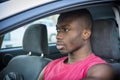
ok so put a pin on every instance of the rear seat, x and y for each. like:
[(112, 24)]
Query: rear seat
[(105, 42)]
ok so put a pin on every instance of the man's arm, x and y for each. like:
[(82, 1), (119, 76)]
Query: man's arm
[(41, 75), (101, 71)]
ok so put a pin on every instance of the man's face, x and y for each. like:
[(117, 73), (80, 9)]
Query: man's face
[(69, 36)]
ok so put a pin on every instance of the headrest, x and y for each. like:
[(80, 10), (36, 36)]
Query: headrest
[(35, 39), (105, 39)]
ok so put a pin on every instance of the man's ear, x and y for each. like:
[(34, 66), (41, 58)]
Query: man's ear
[(86, 34)]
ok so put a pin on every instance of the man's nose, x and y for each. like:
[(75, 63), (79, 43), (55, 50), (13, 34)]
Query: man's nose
[(59, 36)]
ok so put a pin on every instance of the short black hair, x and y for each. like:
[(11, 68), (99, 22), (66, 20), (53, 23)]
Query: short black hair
[(83, 14)]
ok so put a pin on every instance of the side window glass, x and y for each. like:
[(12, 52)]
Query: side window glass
[(15, 37)]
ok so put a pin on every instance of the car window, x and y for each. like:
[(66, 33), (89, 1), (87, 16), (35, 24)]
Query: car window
[(14, 38)]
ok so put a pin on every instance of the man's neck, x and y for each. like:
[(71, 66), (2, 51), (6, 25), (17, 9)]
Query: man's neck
[(79, 55)]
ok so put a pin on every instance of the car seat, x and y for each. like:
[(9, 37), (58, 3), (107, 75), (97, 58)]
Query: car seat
[(105, 42), (29, 66)]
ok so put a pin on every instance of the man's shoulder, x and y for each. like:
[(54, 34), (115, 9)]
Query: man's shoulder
[(103, 71), (95, 58)]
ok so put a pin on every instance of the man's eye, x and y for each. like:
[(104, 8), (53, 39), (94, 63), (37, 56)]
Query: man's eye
[(58, 30), (66, 29), (62, 30)]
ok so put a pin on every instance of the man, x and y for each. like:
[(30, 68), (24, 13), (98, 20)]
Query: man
[(73, 38)]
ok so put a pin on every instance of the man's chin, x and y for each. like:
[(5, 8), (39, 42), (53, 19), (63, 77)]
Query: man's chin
[(63, 52)]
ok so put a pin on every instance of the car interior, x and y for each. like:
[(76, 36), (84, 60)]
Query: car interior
[(105, 42)]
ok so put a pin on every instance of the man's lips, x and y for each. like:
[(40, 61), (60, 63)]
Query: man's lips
[(60, 46)]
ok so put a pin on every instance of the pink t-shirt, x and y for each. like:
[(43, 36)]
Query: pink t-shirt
[(58, 70)]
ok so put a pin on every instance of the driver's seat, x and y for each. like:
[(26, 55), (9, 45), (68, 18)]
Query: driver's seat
[(105, 42)]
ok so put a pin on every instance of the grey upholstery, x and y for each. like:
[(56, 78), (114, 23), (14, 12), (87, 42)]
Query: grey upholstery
[(104, 39), (105, 42), (28, 67), (35, 39)]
